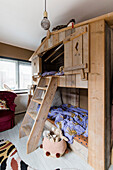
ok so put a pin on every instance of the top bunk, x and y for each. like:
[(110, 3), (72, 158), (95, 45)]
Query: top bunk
[(56, 37), (67, 51), (68, 48)]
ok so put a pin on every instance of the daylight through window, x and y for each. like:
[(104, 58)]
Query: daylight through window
[(16, 74)]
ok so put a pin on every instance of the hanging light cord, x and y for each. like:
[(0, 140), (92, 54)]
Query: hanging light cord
[(45, 5)]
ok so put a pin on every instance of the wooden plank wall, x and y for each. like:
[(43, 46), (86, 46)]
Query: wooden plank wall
[(98, 150), (54, 40), (75, 97), (70, 96), (83, 98), (72, 81)]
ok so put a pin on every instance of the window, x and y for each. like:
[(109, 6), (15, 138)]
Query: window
[(16, 74)]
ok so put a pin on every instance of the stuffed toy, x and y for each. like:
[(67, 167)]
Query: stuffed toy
[(54, 143)]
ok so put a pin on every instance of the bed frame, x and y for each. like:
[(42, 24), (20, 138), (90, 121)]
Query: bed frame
[(88, 54)]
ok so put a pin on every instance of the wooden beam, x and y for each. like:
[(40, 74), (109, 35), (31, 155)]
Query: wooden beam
[(53, 53), (81, 66), (57, 57), (107, 17), (44, 41), (98, 94), (72, 37)]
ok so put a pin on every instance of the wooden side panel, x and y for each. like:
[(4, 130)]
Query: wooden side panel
[(68, 32), (45, 45), (55, 39), (96, 97), (68, 53), (62, 36), (68, 82), (81, 53), (70, 96), (76, 51), (50, 41), (36, 65), (84, 99), (81, 83), (71, 81)]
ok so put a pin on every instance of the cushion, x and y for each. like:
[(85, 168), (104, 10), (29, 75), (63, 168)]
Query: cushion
[(3, 105)]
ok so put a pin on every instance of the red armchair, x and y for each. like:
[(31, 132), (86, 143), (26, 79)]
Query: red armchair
[(7, 116)]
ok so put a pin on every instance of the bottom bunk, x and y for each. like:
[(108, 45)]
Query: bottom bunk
[(79, 146), (71, 129)]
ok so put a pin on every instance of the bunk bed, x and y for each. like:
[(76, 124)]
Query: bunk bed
[(85, 52)]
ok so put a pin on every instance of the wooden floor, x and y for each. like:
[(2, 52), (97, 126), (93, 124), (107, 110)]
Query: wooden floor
[(37, 159)]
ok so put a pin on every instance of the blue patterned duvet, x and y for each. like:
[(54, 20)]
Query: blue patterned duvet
[(71, 120)]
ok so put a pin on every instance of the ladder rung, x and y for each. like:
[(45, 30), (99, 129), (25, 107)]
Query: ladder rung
[(42, 88), (39, 101), (27, 129), (32, 114)]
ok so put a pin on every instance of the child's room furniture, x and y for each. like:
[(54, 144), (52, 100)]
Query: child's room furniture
[(7, 109), (87, 60)]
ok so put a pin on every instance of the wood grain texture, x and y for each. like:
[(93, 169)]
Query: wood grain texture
[(96, 97), (70, 96), (76, 81), (38, 126), (36, 66), (62, 36), (107, 17), (55, 39), (84, 99), (76, 51)]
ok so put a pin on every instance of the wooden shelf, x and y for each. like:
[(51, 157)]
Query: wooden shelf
[(39, 101), (27, 129)]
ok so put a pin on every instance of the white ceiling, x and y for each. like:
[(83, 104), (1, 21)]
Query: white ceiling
[(20, 19)]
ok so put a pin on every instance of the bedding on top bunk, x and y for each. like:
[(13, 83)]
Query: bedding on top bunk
[(50, 73), (73, 121)]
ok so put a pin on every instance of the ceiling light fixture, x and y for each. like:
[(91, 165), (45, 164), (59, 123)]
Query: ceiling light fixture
[(45, 23)]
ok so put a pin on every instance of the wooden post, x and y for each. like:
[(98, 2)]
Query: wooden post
[(99, 99)]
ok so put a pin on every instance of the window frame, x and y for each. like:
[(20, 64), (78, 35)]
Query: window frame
[(18, 62)]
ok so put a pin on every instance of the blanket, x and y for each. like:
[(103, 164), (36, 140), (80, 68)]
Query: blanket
[(71, 120)]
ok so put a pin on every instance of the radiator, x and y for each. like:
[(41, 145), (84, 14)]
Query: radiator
[(21, 102)]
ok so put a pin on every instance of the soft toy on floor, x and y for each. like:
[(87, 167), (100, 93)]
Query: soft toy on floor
[(54, 143)]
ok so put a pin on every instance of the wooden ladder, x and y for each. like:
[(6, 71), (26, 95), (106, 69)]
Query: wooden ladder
[(34, 121)]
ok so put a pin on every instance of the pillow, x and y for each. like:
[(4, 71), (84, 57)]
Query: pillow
[(3, 105)]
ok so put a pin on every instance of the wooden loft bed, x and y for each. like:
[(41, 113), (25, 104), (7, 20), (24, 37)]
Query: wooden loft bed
[(87, 57)]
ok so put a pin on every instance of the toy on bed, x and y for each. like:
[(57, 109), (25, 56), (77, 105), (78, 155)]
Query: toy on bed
[(54, 143), (71, 120)]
